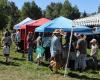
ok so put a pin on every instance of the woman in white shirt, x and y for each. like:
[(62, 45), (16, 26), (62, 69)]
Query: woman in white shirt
[(94, 51)]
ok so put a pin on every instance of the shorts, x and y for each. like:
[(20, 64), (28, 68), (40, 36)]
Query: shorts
[(6, 55)]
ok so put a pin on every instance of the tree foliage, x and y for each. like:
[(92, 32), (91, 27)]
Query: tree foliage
[(13, 16), (3, 13), (8, 14), (66, 9), (31, 10), (53, 10), (3, 21), (58, 9), (99, 9), (75, 14), (84, 14)]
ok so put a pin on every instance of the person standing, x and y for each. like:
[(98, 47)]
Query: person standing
[(64, 46), (7, 33), (55, 48), (6, 41), (94, 52), (6, 52), (18, 40), (80, 61), (39, 49), (30, 46)]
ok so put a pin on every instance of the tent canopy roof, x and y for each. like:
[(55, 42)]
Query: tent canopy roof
[(39, 22), (35, 23), (88, 21), (59, 22), (25, 21)]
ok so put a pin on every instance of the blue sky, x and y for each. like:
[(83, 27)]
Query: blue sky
[(89, 6)]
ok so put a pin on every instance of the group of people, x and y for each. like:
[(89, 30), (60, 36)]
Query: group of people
[(58, 47)]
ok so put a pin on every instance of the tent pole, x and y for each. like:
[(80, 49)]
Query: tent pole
[(24, 44), (66, 66)]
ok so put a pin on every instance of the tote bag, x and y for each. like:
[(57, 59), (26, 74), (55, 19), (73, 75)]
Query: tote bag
[(40, 50)]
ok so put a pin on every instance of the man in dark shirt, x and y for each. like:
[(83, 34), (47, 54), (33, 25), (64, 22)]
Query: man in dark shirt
[(80, 61)]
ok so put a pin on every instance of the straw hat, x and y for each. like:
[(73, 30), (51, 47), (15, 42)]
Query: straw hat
[(62, 32), (57, 31), (93, 40)]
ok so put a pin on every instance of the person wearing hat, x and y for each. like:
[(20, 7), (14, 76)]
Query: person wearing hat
[(64, 44), (80, 61), (55, 47), (94, 51)]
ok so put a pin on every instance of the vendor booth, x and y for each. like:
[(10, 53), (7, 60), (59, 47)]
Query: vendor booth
[(30, 28)]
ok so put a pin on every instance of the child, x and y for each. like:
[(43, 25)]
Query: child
[(6, 52)]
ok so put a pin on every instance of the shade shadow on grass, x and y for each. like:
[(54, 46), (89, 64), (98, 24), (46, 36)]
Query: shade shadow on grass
[(10, 63), (44, 64), (81, 77), (19, 59)]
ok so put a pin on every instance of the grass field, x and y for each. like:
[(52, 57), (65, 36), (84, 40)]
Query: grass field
[(20, 69)]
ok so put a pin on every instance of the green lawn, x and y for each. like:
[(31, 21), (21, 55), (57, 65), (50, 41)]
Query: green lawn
[(21, 69)]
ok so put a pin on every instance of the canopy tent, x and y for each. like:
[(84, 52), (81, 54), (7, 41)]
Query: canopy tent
[(31, 27), (25, 21), (93, 20), (61, 23), (36, 23)]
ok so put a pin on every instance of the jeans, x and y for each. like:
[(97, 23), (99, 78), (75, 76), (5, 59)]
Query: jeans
[(30, 54), (80, 62), (95, 61)]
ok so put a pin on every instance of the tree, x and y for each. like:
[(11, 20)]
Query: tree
[(84, 14), (31, 10), (3, 21), (66, 9), (9, 14), (48, 12), (13, 16), (25, 12), (53, 10), (56, 10), (36, 11), (3, 14), (99, 9), (74, 13)]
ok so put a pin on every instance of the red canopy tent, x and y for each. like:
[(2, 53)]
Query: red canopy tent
[(30, 27)]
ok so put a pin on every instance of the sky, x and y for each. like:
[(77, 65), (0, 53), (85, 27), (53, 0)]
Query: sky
[(90, 6)]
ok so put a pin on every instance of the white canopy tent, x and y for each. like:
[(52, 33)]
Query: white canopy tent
[(88, 21)]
